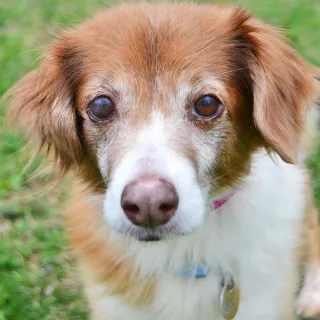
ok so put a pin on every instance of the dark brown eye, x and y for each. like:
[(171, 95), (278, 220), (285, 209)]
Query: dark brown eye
[(100, 109), (207, 107)]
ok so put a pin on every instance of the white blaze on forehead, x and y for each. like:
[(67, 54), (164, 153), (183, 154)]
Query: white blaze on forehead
[(153, 135), (151, 153)]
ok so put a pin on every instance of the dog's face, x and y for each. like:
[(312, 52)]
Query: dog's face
[(161, 107)]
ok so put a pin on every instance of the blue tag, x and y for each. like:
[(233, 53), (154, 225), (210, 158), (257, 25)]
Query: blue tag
[(195, 272)]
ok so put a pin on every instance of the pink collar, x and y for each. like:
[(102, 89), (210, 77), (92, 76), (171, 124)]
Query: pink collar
[(216, 204)]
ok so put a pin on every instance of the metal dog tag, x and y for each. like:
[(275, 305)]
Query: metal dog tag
[(229, 298)]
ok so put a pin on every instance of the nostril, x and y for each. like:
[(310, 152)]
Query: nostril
[(131, 208), (165, 207)]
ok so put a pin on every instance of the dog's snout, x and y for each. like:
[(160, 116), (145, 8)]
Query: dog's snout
[(149, 201)]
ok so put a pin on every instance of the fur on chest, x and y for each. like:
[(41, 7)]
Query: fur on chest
[(253, 237)]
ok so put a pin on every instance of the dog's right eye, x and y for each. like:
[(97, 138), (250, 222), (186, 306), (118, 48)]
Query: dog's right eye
[(100, 109)]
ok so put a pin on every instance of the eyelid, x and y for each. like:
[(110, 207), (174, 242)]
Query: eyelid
[(98, 87), (216, 95), (98, 94)]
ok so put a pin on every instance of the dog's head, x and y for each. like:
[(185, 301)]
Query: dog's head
[(162, 106)]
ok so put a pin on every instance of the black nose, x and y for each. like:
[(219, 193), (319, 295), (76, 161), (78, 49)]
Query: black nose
[(149, 201)]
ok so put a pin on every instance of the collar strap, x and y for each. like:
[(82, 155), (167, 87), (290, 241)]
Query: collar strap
[(202, 271), (195, 272), (216, 204)]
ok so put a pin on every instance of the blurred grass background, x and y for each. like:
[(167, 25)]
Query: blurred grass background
[(37, 276)]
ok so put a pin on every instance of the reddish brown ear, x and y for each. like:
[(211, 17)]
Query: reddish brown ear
[(283, 85), (42, 103)]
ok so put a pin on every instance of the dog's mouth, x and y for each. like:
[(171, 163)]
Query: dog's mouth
[(154, 234), (157, 238), (151, 238)]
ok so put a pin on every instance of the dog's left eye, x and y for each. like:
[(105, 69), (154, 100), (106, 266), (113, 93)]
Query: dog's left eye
[(208, 107), (100, 108)]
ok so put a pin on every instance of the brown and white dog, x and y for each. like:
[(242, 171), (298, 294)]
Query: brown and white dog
[(183, 125)]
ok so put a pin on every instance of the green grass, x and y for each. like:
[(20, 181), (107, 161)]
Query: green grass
[(37, 275)]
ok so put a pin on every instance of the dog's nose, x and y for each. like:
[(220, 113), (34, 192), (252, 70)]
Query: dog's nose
[(149, 201)]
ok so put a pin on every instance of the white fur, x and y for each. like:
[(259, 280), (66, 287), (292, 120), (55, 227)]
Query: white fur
[(151, 154), (252, 237)]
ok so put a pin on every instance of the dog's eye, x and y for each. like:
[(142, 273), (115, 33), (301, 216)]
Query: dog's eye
[(100, 108), (208, 107)]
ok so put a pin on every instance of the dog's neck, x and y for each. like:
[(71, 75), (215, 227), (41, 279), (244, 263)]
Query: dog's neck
[(202, 271), (186, 264)]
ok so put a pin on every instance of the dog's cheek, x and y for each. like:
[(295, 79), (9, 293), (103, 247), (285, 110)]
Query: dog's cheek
[(94, 170), (222, 156), (233, 159), (208, 146)]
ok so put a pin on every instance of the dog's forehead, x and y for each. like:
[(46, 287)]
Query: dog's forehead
[(148, 41)]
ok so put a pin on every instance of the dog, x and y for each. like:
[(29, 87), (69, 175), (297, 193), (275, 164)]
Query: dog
[(183, 125)]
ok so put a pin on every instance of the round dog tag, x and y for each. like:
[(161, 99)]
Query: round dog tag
[(229, 298)]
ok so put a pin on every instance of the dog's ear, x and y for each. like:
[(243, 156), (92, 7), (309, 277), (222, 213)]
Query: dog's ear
[(42, 103), (282, 85)]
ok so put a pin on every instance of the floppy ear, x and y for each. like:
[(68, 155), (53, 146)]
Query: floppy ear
[(42, 103), (282, 85)]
